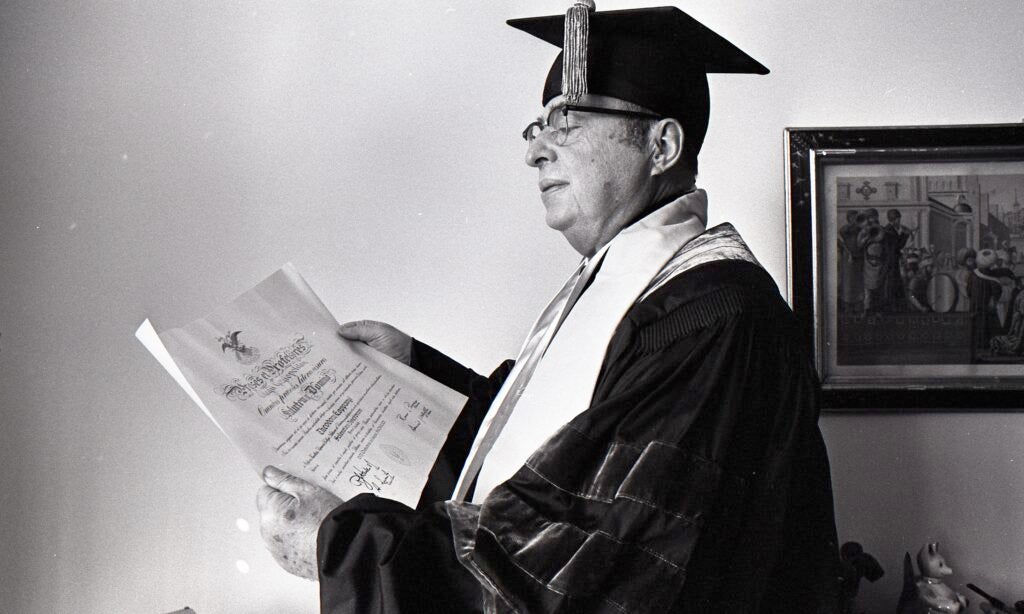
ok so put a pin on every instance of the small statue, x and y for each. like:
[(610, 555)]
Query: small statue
[(927, 593), (856, 564)]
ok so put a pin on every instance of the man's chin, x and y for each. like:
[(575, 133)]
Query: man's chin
[(560, 224), (556, 216)]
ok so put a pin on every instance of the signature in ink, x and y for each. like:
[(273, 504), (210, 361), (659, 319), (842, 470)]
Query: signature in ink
[(371, 477)]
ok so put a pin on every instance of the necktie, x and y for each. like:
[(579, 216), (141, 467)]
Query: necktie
[(536, 343)]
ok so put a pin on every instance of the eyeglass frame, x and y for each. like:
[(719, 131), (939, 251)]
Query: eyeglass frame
[(543, 123)]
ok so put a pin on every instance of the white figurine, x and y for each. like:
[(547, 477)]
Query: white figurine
[(927, 593)]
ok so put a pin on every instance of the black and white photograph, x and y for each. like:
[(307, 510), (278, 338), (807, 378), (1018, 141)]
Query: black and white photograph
[(516, 306)]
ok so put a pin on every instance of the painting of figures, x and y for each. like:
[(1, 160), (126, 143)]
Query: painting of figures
[(929, 269), (906, 263)]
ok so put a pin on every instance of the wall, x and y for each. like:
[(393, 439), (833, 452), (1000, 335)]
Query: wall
[(158, 158)]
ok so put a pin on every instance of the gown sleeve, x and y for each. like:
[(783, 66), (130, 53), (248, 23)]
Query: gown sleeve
[(376, 555)]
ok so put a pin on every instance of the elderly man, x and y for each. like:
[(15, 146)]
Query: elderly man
[(655, 446)]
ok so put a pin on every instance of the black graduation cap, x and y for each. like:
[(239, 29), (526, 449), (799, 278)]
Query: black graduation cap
[(657, 58)]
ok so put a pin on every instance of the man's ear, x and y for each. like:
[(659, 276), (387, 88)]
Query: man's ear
[(666, 145)]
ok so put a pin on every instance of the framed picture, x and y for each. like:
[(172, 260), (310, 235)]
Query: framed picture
[(906, 263)]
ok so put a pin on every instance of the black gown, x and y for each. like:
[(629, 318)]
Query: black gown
[(697, 481)]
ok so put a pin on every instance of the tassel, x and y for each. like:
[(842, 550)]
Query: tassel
[(574, 50)]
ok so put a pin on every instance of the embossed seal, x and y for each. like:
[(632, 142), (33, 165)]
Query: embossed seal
[(395, 453)]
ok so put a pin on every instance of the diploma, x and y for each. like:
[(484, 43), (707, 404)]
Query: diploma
[(271, 372)]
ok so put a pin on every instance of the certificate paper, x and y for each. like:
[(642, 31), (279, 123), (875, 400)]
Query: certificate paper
[(272, 373)]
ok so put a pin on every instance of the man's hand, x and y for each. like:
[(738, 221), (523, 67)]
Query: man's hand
[(291, 510), (382, 337)]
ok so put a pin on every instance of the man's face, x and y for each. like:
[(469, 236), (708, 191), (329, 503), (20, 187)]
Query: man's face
[(873, 254), (592, 179)]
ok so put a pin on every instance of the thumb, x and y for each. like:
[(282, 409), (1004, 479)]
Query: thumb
[(286, 482), (362, 330)]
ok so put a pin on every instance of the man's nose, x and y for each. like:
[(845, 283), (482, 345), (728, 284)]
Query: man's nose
[(540, 151)]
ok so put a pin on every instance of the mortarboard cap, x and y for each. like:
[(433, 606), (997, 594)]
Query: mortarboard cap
[(657, 58)]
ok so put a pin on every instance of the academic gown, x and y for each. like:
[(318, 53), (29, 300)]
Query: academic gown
[(697, 480)]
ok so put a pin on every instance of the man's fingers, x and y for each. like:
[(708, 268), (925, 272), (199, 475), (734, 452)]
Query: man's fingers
[(380, 336), (291, 510), (286, 482), (273, 502), (361, 330)]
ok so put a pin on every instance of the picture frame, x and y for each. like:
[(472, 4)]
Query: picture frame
[(905, 264)]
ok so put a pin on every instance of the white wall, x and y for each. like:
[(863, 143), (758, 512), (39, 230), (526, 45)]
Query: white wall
[(158, 158)]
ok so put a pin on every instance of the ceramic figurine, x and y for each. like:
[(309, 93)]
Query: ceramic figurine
[(926, 593)]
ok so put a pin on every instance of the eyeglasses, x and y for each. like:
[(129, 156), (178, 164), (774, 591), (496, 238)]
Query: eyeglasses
[(557, 120)]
